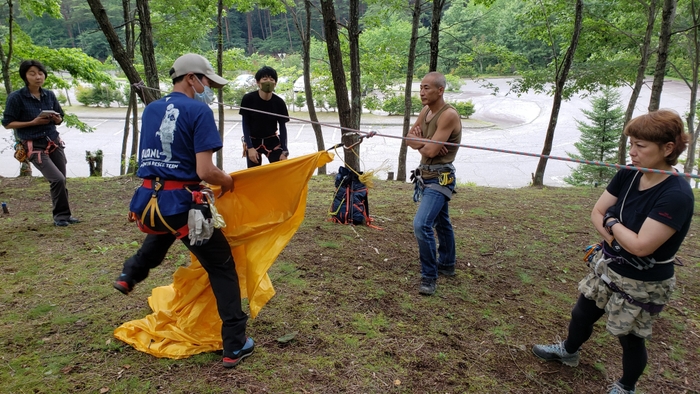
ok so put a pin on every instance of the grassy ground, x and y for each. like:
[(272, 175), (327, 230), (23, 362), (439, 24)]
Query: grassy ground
[(347, 294)]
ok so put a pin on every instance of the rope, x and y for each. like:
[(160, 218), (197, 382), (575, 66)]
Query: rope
[(369, 134)]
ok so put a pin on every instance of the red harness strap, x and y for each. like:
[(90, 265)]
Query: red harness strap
[(31, 151), (168, 185), (152, 210)]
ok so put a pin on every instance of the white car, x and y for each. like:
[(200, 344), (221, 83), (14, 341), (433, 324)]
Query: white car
[(298, 85), (243, 81)]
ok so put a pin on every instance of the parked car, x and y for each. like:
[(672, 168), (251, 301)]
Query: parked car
[(298, 85), (322, 80), (243, 81)]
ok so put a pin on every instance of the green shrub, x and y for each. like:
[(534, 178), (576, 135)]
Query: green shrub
[(465, 109), (372, 102), (98, 95), (300, 100), (454, 83), (332, 101), (62, 99), (233, 96), (394, 105), (84, 95)]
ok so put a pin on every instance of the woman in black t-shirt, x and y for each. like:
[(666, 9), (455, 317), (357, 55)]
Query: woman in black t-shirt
[(643, 217)]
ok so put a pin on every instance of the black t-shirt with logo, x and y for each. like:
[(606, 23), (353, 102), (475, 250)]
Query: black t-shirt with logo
[(671, 202)]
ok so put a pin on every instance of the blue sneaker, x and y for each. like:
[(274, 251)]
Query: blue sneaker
[(239, 355)]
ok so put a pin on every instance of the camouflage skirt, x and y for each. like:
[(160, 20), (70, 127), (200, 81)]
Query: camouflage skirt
[(623, 317)]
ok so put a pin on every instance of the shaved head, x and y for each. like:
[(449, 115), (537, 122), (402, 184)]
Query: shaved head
[(437, 79)]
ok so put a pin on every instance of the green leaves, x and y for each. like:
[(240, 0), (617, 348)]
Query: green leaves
[(599, 140)]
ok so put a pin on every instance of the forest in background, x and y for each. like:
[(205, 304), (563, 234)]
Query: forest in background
[(351, 52)]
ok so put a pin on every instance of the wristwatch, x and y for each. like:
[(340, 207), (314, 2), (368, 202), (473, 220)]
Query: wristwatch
[(609, 222)]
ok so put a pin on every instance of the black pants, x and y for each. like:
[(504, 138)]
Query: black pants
[(268, 146), (634, 352), (216, 258)]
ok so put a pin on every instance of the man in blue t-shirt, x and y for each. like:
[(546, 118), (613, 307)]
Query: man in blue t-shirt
[(178, 140), (260, 129)]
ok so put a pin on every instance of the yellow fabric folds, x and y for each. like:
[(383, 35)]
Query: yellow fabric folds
[(262, 214)]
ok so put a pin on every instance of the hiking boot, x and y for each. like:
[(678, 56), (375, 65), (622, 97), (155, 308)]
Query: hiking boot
[(66, 222), (427, 286), (239, 355), (557, 352), (616, 388), (61, 223), (124, 284), (446, 270)]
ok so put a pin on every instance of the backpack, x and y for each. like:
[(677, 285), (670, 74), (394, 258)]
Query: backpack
[(350, 204)]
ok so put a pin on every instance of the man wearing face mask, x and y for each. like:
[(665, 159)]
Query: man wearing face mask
[(260, 129), (178, 140)]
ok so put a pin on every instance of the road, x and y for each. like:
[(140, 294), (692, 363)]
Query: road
[(508, 123)]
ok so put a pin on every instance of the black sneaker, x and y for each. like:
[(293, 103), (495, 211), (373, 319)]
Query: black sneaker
[(427, 286), (61, 223), (239, 355), (446, 270), (124, 284)]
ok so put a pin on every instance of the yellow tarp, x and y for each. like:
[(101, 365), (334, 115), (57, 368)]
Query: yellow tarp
[(262, 214)]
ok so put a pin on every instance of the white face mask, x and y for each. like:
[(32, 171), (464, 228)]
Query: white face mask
[(207, 96)]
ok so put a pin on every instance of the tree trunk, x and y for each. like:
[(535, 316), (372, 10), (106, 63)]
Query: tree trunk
[(306, 43), (66, 12), (261, 24), (24, 168), (135, 141), (125, 160), (305, 36), (645, 53), (269, 22), (150, 67), (120, 54), (250, 32), (435, 33), (289, 33), (335, 58), (129, 41), (220, 71), (228, 33), (563, 73), (355, 88), (667, 17), (7, 58), (410, 68), (695, 66)]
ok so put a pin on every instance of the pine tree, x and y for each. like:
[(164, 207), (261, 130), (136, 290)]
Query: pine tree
[(599, 140)]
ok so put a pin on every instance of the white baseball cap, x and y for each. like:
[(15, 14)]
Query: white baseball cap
[(196, 64)]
